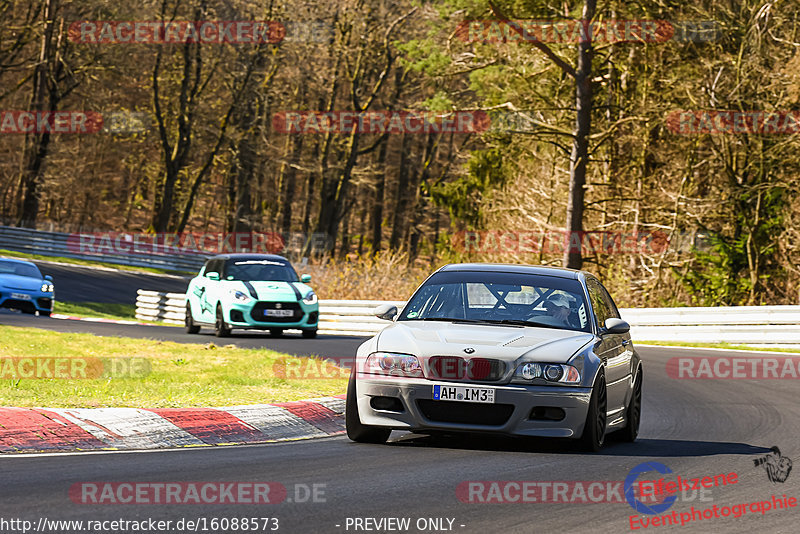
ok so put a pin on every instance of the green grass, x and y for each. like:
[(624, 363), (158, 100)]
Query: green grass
[(88, 263), (725, 346), (103, 310), (181, 375)]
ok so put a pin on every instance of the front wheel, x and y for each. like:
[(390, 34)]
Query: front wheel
[(309, 334), (191, 328), (357, 431), (633, 414), (221, 328), (276, 332), (594, 430)]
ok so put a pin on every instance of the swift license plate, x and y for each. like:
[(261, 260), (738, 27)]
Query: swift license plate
[(278, 313)]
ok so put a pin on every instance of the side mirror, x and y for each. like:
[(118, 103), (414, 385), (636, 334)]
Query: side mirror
[(616, 326), (213, 276), (48, 278), (387, 312), (306, 278)]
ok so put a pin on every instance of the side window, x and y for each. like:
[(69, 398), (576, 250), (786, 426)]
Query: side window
[(599, 304), (213, 266), (612, 308)]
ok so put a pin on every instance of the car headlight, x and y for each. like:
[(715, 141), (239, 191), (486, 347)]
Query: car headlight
[(310, 298), (47, 287), (393, 363), (239, 295), (551, 372)]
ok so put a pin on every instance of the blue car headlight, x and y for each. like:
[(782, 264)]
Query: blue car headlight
[(240, 295), (310, 298), (47, 287)]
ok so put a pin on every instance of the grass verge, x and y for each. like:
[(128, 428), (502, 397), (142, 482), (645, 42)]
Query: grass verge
[(103, 310), (181, 375), (88, 263), (725, 346)]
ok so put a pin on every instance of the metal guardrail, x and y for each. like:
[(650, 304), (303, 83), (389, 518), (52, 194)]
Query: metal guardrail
[(56, 244), (764, 326)]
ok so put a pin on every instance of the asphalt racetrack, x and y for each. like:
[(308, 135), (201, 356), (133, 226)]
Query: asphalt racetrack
[(696, 428), (76, 283)]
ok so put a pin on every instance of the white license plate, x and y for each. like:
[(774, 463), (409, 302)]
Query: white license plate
[(20, 296), (278, 313), (462, 393)]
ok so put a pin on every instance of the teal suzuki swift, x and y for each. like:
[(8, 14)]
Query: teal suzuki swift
[(251, 291)]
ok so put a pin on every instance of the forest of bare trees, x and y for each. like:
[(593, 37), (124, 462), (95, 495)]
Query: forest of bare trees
[(594, 136)]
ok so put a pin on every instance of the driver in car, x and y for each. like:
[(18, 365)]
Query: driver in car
[(558, 308)]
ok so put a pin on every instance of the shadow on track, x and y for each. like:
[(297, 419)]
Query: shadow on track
[(660, 448)]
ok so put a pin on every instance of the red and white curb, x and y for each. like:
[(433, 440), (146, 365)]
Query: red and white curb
[(67, 429)]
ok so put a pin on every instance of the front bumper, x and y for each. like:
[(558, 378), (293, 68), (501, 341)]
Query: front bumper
[(512, 412), (241, 315), (35, 301)]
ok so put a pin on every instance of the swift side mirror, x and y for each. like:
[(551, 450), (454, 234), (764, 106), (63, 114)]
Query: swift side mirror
[(387, 312)]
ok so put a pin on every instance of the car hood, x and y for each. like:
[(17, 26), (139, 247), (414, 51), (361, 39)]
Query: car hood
[(269, 290), (13, 281), (425, 339)]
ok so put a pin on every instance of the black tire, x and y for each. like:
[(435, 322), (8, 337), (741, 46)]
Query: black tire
[(633, 413), (44, 313), (221, 328), (309, 334), (594, 429), (355, 430), (191, 328), (276, 332)]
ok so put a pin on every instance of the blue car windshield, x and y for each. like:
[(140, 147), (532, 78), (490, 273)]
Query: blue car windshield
[(19, 269), (502, 298), (255, 269)]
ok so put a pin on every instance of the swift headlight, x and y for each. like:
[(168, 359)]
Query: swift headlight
[(393, 363), (550, 372), (310, 298), (240, 295), (47, 287)]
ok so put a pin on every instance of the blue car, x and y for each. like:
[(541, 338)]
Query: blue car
[(251, 291), (22, 287)]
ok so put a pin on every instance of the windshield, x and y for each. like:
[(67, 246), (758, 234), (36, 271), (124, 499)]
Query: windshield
[(268, 270), (20, 269), (503, 298)]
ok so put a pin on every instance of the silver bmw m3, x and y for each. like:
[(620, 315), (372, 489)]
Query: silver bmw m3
[(509, 349)]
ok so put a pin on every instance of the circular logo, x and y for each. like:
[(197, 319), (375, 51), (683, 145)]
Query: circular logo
[(630, 484), (469, 350)]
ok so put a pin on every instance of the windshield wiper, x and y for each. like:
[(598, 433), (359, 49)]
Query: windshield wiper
[(463, 321), (522, 322), (448, 319)]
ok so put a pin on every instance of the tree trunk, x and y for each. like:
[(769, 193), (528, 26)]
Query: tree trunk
[(44, 97), (580, 146)]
